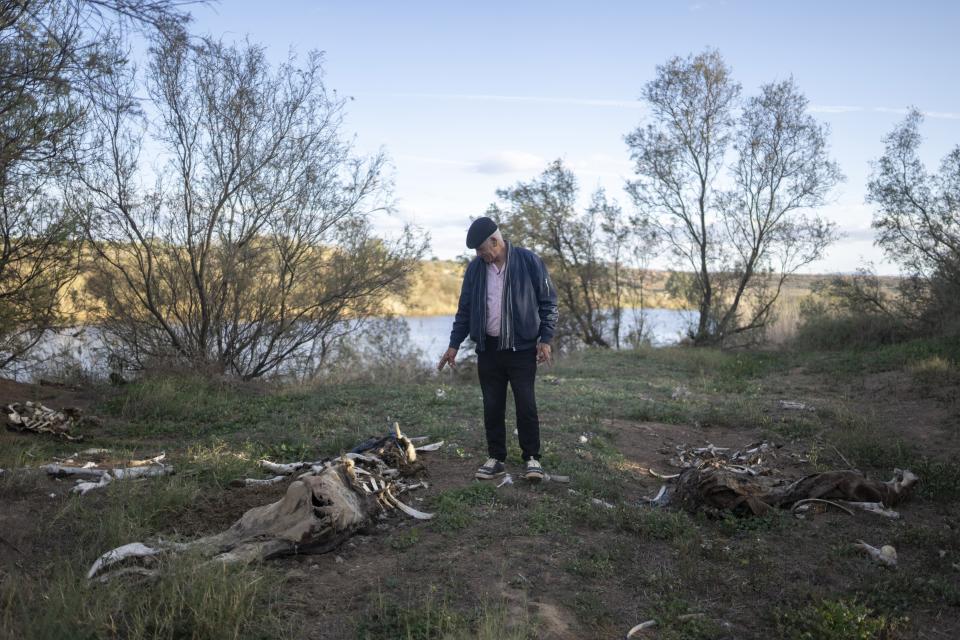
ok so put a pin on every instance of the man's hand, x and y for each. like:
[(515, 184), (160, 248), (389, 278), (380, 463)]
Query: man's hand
[(543, 353), (449, 357)]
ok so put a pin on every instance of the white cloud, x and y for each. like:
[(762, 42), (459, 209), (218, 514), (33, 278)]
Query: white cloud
[(585, 102), (510, 162), (826, 108)]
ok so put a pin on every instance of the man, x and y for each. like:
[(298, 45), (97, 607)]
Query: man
[(508, 306)]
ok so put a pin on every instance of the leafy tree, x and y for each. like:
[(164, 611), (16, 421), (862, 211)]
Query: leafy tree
[(542, 215), (55, 56), (254, 250), (727, 186), (917, 218)]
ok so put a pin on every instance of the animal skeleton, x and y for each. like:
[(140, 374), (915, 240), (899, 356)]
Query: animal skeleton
[(326, 504), (31, 416)]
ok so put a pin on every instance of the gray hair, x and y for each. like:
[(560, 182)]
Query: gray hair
[(496, 234)]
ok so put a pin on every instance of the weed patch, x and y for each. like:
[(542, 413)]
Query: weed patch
[(455, 509), (836, 620)]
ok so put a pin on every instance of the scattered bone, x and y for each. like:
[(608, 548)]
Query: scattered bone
[(663, 476), (83, 487), (547, 477), (680, 393), (128, 473), (649, 624), (876, 508), (885, 555), (320, 510), (62, 471), (90, 477), (94, 452), (148, 462), (257, 482), (430, 447), (661, 499), (507, 479), (792, 405), (802, 505), (441, 394), (715, 489), (601, 503), (37, 418), (747, 461), (285, 469), (132, 550), (410, 511), (404, 443), (128, 571)]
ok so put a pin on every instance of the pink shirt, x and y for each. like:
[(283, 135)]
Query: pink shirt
[(494, 297)]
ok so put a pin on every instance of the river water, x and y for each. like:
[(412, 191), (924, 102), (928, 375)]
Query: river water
[(664, 327), (70, 352)]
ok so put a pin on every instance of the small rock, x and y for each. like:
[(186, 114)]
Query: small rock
[(339, 560), (53, 495)]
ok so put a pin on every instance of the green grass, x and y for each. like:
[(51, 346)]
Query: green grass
[(189, 599), (214, 431), (835, 620), (456, 509), (431, 616)]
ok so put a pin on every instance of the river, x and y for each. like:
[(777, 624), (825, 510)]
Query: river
[(664, 326), (63, 355)]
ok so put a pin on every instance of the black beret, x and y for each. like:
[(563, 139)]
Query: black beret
[(480, 230)]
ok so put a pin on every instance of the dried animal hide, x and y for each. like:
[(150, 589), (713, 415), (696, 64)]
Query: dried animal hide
[(718, 489), (324, 506)]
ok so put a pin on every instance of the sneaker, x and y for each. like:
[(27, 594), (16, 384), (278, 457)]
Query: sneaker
[(492, 468), (534, 472)]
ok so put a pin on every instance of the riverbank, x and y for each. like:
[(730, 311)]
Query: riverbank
[(436, 289), (515, 562)]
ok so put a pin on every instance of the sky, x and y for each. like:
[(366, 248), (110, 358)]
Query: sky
[(468, 98)]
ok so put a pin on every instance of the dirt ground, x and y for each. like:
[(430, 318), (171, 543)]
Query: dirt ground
[(569, 572)]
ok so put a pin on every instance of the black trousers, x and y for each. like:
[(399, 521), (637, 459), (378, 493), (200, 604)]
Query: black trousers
[(495, 369)]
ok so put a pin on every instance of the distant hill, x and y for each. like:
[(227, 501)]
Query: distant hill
[(436, 290)]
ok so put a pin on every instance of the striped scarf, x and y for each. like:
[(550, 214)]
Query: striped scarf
[(506, 305)]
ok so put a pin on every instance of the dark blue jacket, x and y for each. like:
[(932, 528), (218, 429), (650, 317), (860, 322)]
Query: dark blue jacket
[(528, 311)]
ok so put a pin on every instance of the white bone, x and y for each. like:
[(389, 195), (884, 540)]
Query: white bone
[(61, 471), (884, 555), (149, 461), (132, 550), (128, 473), (640, 627), (286, 469), (83, 486), (663, 476), (410, 511), (875, 507), (430, 447), (257, 482)]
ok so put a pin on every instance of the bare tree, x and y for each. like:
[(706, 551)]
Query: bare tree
[(918, 222), (54, 56), (255, 244), (741, 227)]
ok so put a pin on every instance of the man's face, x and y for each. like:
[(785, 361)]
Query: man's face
[(489, 250)]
